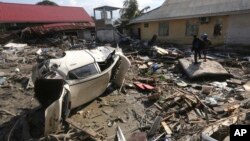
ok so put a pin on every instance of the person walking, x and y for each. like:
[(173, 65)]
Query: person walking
[(206, 43), (196, 48)]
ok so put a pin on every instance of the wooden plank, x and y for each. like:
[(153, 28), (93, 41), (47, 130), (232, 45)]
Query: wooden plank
[(8, 112), (90, 132), (205, 106), (167, 117), (166, 127), (191, 98), (173, 96), (158, 106), (189, 104), (158, 137)]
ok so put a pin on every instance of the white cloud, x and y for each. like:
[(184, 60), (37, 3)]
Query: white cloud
[(73, 2), (89, 5), (59, 2), (152, 3)]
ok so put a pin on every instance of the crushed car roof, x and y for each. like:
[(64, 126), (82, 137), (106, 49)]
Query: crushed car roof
[(77, 58)]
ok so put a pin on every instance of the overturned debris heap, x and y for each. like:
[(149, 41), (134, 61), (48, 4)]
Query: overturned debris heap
[(204, 69)]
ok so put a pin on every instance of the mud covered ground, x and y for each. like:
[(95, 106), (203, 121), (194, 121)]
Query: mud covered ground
[(129, 107)]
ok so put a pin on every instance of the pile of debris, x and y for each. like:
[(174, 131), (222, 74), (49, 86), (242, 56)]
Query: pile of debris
[(187, 110), (157, 100), (164, 104)]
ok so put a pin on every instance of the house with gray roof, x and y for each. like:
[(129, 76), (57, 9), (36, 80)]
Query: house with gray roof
[(225, 21)]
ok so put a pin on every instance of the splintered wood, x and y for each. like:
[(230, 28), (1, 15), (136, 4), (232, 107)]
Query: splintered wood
[(166, 127)]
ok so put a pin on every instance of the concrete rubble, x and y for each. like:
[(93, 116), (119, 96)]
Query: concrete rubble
[(205, 69), (157, 100)]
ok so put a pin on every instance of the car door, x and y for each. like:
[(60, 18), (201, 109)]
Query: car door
[(54, 97), (86, 83), (57, 111)]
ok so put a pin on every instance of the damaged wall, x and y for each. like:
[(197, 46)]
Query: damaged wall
[(238, 29), (136, 31), (2, 28), (107, 35), (177, 30), (84, 34)]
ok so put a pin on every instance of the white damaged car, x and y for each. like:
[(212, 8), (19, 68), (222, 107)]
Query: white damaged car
[(78, 77)]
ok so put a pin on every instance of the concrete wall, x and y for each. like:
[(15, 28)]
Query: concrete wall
[(148, 32), (84, 34), (2, 28), (239, 29), (87, 35), (107, 35), (177, 30)]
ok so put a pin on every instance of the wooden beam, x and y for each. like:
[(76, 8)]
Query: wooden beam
[(90, 132), (166, 127)]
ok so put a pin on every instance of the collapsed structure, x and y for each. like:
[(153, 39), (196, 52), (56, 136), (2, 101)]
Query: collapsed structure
[(39, 21)]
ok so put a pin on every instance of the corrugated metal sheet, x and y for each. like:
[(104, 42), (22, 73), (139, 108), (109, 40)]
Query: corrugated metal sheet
[(26, 13), (177, 9)]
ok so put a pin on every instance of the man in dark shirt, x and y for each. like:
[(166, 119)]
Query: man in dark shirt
[(206, 43), (196, 47)]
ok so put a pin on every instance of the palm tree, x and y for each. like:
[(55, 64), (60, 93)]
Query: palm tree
[(47, 2)]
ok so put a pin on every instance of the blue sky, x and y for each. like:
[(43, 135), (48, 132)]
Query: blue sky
[(89, 5)]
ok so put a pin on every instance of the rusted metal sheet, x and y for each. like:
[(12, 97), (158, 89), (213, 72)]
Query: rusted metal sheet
[(30, 13)]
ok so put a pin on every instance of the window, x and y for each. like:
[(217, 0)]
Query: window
[(192, 28), (83, 72), (218, 27), (146, 25), (204, 20), (163, 29)]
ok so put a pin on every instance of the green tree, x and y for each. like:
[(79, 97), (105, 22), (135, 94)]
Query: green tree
[(47, 2), (129, 10)]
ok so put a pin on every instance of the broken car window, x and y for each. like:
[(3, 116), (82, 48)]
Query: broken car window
[(83, 72), (107, 63)]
